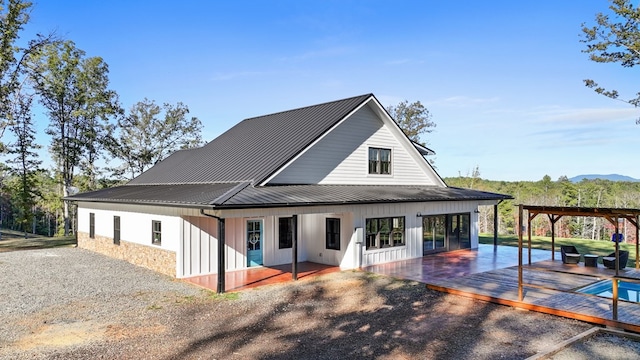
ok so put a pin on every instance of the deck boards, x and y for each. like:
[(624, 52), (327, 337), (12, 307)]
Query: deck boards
[(554, 291)]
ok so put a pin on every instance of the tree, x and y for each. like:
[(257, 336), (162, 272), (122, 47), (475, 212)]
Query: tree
[(73, 90), (14, 14), (25, 163), (614, 40), (146, 135), (414, 119)]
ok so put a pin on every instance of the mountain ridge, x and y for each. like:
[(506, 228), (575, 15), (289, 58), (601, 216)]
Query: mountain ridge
[(610, 177)]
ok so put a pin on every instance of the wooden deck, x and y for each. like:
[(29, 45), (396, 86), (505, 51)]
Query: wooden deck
[(549, 287), (491, 274)]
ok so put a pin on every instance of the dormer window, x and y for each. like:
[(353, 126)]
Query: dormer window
[(379, 161)]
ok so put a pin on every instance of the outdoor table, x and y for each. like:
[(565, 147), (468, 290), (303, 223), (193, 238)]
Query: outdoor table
[(591, 260)]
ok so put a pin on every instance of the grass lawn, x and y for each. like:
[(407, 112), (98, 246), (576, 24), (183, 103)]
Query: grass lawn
[(584, 246), (14, 240)]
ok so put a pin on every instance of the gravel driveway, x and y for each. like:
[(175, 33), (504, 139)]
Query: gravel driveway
[(69, 303)]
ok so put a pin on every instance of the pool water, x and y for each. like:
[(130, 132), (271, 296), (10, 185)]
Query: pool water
[(626, 290)]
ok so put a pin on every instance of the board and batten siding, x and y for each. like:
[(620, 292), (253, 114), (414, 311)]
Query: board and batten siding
[(135, 222), (342, 157), (199, 246), (413, 227)]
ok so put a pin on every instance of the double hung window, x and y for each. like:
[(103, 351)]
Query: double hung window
[(379, 161)]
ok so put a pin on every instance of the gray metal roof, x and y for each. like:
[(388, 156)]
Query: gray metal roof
[(253, 149), (242, 195), (197, 195)]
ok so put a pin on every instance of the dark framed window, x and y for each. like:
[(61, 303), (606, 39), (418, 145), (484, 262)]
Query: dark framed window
[(116, 230), (285, 233), (156, 232), (92, 225), (333, 233), (379, 161), (385, 232)]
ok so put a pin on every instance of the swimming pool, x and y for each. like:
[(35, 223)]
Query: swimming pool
[(626, 290)]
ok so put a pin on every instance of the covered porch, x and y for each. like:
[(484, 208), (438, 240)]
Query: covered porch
[(435, 266)]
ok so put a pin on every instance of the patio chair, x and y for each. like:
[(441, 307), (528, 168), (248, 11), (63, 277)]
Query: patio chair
[(570, 254), (609, 261)]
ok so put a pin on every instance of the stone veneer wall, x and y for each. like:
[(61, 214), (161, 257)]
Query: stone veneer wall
[(150, 257)]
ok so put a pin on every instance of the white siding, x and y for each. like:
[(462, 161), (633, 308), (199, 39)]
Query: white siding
[(199, 246), (341, 157), (135, 223), (194, 237)]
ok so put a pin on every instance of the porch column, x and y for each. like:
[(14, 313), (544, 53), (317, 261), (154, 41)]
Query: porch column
[(495, 225), (294, 249), (221, 264)]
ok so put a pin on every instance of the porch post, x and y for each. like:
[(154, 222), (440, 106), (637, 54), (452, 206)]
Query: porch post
[(221, 264), (294, 248), (495, 225)]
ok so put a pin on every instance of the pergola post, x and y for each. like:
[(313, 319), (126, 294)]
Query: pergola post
[(520, 290), (553, 237)]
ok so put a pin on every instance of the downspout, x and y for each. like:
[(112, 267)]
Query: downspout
[(221, 264)]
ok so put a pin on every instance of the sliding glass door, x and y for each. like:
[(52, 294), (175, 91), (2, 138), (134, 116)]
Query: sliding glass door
[(445, 233), (434, 233)]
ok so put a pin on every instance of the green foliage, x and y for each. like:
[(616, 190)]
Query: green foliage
[(614, 39), (586, 193), (149, 133), (25, 163), (414, 119), (73, 90)]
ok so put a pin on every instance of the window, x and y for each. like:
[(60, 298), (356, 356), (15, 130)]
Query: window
[(92, 225), (385, 232), (116, 230), (285, 233), (333, 234), (379, 161), (156, 232)]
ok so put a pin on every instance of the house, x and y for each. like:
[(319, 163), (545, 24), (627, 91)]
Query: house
[(337, 183)]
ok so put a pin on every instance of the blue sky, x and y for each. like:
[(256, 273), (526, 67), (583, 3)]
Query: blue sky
[(502, 79)]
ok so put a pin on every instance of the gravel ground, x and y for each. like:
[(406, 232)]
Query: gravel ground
[(69, 303)]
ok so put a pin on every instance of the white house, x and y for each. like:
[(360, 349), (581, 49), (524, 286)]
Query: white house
[(336, 183)]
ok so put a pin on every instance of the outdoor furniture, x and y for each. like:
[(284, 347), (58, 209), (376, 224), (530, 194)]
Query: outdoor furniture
[(609, 261), (591, 260), (570, 254)]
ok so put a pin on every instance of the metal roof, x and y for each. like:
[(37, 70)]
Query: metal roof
[(198, 195), (253, 149), (242, 195)]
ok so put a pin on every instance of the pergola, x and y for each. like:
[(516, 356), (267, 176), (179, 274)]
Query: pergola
[(556, 212)]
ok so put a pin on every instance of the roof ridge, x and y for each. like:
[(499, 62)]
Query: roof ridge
[(309, 106)]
